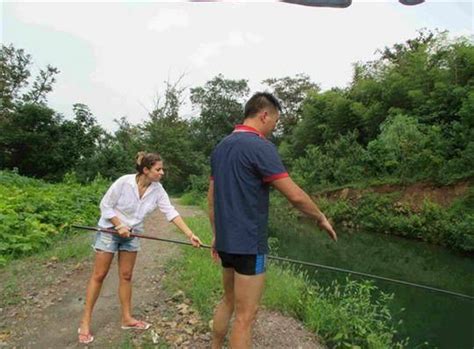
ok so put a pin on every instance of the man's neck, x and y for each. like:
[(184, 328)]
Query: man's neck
[(252, 123)]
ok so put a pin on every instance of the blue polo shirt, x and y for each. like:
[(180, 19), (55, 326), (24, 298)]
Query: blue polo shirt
[(242, 166)]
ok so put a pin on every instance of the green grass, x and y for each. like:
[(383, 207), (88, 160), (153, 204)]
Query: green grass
[(193, 199), (9, 292), (74, 248), (195, 273)]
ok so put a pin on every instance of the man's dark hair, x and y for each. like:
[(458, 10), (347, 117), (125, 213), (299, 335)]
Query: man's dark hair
[(259, 101)]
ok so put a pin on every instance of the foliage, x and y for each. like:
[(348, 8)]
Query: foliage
[(196, 194), (337, 162), (406, 149), (382, 213), (34, 214), (114, 155), (14, 78), (168, 134), (291, 92), (40, 143), (220, 103), (411, 109), (356, 315)]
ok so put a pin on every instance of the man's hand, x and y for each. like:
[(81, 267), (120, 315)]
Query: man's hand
[(325, 225), (304, 203), (214, 254)]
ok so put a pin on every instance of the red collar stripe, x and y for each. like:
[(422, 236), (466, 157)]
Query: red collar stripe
[(245, 128)]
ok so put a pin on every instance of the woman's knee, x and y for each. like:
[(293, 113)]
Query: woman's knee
[(99, 276), (126, 275)]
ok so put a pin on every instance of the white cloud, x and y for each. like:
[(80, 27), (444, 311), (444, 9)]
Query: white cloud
[(168, 19), (234, 39), (204, 52)]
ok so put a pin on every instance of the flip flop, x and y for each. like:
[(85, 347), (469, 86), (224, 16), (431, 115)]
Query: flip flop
[(139, 325), (84, 338)]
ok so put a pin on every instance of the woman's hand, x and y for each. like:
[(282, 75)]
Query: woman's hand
[(195, 240), (124, 232)]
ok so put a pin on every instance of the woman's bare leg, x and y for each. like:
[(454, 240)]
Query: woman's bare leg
[(101, 267)]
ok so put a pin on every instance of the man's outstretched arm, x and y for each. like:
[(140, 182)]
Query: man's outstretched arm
[(303, 202)]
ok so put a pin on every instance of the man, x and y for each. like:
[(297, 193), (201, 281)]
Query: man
[(243, 166)]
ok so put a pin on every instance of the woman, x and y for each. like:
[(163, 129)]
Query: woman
[(123, 207)]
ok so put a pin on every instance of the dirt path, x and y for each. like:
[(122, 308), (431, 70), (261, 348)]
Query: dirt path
[(48, 316)]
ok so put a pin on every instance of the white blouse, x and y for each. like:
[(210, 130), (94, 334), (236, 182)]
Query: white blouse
[(123, 200)]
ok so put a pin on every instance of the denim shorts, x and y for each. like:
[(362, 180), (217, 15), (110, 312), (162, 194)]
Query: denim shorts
[(113, 243)]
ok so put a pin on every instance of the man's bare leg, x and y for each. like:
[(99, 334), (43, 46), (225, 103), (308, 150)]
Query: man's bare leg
[(224, 309), (248, 291)]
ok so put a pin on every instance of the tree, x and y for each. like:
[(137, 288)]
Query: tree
[(168, 134), (29, 129), (40, 143), (427, 77), (113, 154), (14, 74), (412, 108), (85, 129), (220, 102), (29, 141), (14, 78), (291, 92), (325, 116), (407, 149)]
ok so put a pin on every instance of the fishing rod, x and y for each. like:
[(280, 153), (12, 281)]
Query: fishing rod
[(115, 232), (294, 261)]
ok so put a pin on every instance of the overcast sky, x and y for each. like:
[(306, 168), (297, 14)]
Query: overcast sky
[(114, 57)]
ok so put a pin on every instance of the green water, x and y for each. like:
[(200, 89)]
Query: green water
[(441, 320)]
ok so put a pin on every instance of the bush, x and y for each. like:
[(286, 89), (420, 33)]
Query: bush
[(406, 149), (337, 162), (352, 315), (383, 213), (34, 213)]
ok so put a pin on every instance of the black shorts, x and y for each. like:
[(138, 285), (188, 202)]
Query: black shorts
[(246, 264)]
